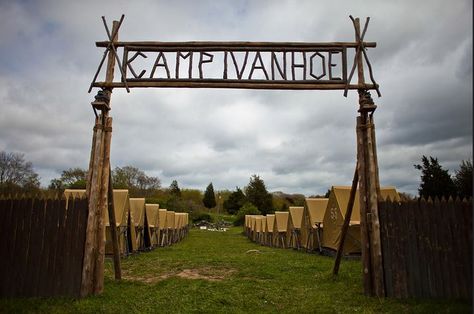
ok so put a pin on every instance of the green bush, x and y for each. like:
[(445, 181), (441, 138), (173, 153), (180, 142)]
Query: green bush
[(247, 209), (200, 216)]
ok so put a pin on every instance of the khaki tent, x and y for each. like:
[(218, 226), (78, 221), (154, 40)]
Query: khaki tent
[(125, 233), (294, 226), (263, 232), (137, 209), (179, 226), (170, 217), (269, 229), (251, 227), (248, 225), (162, 226), (124, 224), (311, 229), (153, 222), (280, 229), (258, 228), (71, 193), (334, 218)]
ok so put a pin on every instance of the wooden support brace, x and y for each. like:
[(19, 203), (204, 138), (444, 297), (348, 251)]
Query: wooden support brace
[(347, 220)]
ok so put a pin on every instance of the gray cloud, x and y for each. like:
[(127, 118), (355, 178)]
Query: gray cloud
[(302, 141)]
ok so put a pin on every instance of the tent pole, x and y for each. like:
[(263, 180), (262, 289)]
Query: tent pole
[(347, 219)]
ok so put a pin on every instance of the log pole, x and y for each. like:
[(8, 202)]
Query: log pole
[(347, 220), (92, 281)]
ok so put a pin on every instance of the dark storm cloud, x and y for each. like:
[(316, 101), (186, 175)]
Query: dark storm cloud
[(300, 141)]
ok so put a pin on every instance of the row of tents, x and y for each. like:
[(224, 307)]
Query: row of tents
[(316, 226), (139, 226)]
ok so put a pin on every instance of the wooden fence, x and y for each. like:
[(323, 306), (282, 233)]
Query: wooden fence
[(42, 247), (427, 248)]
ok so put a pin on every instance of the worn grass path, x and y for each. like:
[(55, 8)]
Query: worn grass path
[(212, 272)]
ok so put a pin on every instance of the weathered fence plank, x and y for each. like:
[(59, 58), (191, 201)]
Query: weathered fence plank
[(44, 247), (427, 248)]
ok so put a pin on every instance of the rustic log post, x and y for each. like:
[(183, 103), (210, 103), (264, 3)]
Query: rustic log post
[(98, 190), (364, 210), (90, 247), (369, 186), (347, 220), (102, 205), (376, 245)]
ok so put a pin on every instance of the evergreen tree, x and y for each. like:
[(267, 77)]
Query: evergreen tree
[(174, 189), (235, 201), (209, 199), (463, 179), (435, 181), (258, 195)]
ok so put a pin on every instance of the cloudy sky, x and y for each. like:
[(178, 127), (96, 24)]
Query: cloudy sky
[(297, 141)]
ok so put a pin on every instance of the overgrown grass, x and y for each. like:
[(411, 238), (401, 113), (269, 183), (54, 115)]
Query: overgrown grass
[(233, 275)]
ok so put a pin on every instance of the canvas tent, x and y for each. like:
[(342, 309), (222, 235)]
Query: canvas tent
[(179, 225), (72, 194), (125, 233), (280, 229), (263, 232), (269, 229), (170, 217), (334, 218), (137, 209), (162, 226), (124, 225), (257, 228), (311, 229), (294, 226), (251, 227), (152, 216)]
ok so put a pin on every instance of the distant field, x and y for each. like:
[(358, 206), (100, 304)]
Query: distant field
[(213, 272)]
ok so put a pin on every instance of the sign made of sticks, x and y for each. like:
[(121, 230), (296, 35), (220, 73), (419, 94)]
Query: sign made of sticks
[(250, 65)]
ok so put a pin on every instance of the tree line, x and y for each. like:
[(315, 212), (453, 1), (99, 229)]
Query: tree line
[(18, 175)]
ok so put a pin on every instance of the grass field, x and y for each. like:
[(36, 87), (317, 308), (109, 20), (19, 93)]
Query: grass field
[(213, 272)]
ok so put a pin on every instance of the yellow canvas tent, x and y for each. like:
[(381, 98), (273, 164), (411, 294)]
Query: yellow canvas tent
[(294, 226), (184, 224), (179, 224), (170, 217), (137, 209), (162, 226), (269, 229), (71, 193), (311, 229), (334, 218), (263, 232), (251, 227), (125, 229), (248, 225), (125, 232), (280, 229), (258, 228), (153, 223)]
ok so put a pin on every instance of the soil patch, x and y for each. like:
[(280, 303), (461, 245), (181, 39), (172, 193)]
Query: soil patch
[(205, 273)]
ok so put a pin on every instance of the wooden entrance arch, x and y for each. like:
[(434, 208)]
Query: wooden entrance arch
[(291, 66)]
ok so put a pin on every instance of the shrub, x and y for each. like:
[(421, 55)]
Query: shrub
[(200, 216), (247, 209)]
